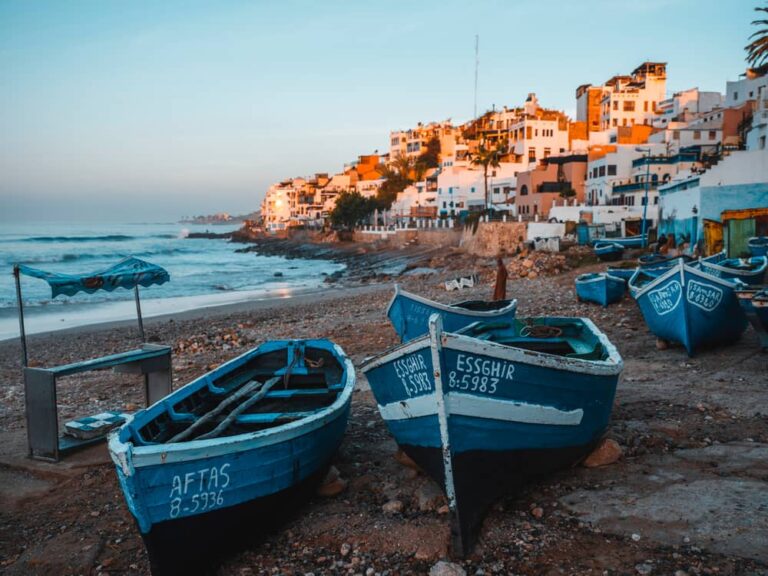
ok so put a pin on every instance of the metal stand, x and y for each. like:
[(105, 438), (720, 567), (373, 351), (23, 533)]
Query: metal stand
[(151, 360)]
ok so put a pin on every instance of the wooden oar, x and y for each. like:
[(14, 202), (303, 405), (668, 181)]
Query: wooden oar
[(227, 422)]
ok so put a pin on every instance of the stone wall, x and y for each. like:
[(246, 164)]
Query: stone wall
[(428, 237), (492, 237)]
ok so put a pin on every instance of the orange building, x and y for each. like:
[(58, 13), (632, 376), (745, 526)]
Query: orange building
[(551, 182)]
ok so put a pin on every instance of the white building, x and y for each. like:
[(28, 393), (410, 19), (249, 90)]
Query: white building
[(747, 88), (607, 169)]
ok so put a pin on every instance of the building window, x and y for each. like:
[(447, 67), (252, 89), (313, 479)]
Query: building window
[(676, 134), (524, 190), (547, 152), (611, 169), (697, 134), (615, 104), (645, 105), (615, 122), (735, 95), (601, 171), (528, 132), (532, 154), (629, 106), (712, 134)]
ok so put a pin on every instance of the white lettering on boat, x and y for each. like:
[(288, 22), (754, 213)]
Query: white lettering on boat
[(705, 296), (198, 491), (475, 374), (666, 299), (414, 374)]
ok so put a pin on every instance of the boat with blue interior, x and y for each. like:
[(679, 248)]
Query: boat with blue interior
[(490, 406), (687, 305), (601, 288), (751, 271), (608, 251), (222, 459), (758, 245), (409, 313)]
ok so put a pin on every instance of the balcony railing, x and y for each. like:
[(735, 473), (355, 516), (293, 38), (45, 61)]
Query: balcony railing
[(675, 159)]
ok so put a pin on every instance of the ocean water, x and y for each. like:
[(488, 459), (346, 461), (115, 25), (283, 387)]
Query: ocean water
[(203, 272)]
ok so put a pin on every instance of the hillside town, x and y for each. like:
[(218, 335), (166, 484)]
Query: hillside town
[(633, 151)]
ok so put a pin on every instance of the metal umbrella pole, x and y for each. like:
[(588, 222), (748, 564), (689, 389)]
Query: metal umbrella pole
[(138, 311), (22, 332)]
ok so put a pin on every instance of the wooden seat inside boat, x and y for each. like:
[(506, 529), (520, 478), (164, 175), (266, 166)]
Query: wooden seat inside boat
[(291, 384)]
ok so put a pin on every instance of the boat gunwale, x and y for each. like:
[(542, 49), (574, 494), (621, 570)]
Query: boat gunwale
[(128, 456), (679, 268), (450, 307), (599, 276), (613, 364), (735, 271)]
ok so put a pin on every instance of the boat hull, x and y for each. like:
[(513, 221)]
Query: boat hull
[(608, 251), (409, 314), (602, 289), (758, 246), (689, 306), (512, 415)]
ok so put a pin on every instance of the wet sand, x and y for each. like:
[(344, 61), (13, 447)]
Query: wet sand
[(687, 497)]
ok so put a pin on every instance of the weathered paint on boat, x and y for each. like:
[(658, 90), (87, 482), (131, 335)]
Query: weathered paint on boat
[(751, 271), (409, 313), (481, 417), (689, 306), (601, 288), (192, 499)]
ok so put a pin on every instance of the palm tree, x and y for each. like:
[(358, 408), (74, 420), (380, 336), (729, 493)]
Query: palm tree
[(757, 49), (488, 158)]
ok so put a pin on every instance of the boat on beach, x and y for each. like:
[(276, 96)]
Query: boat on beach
[(600, 288), (608, 251), (626, 242), (751, 271), (489, 407), (227, 456), (754, 301), (758, 245), (409, 313), (687, 305)]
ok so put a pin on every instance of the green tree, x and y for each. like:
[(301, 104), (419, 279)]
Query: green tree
[(397, 175), (430, 158), (757, 49), (488, 157), (351, 210)]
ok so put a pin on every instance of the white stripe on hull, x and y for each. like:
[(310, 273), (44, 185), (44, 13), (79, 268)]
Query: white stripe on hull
[(481, 407)]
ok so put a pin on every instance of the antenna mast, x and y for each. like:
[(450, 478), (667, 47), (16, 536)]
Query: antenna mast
[(477, 65)]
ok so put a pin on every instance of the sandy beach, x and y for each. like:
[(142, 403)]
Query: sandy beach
[(688, 495)]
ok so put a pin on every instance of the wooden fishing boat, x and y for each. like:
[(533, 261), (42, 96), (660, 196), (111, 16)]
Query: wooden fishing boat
[(231, 453), (602, 288), (748, 270), (758, 245), (687, 305), (608, 251), (484, 409), (410, 313), (754, 301), (623, 270)]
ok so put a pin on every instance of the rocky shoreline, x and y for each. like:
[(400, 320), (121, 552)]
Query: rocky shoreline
[(687, 496)]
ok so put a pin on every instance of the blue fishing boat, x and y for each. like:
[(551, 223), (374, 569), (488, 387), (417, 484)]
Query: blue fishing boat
[(689, 306), (484, 409), (410, 313), (758, 246), (754, 301), (234, 451), (623, 270), (626, 242), (751, 271), (602, 288), (608, 251)]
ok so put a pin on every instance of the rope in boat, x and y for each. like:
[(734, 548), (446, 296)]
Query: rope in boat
[(540, 331), (232, 416), (247, 389)]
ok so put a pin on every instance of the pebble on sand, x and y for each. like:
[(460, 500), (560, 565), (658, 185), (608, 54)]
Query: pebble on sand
[(444, 568)]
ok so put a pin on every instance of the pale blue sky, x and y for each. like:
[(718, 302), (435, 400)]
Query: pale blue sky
[(153, 110)]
